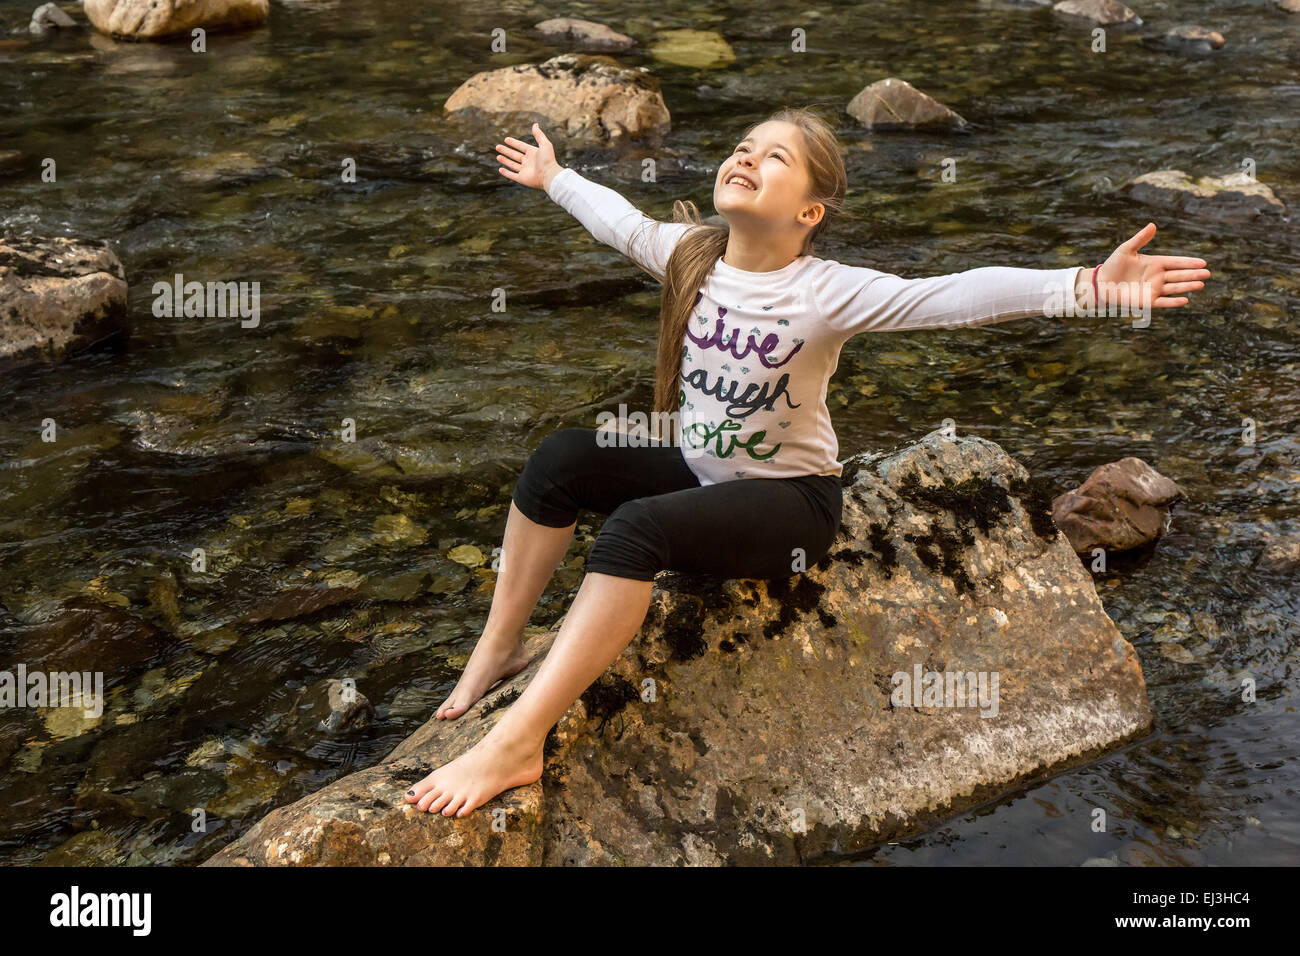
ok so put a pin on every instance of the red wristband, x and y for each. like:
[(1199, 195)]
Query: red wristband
[(1096, 297)]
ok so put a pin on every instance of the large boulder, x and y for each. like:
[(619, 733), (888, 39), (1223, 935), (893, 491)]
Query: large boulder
[(57, 296), (1236, 196), (151, 19), (1123, 504), (769, 721), (591, 99), (892, 103)]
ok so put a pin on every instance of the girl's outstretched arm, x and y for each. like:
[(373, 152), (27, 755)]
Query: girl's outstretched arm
[(853, 299), (602, 211)]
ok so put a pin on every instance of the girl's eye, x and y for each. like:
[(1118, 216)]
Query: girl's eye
[(779, 156)]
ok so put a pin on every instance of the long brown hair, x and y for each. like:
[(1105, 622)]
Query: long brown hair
[(696, 252)]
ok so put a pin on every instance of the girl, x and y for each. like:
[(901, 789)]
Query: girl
[(747, 485)]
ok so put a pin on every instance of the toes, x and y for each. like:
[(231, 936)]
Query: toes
[(442, 800), (427, 800), (458, 801), (419, 790)]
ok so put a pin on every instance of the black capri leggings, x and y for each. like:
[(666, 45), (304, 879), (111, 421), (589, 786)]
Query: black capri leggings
[(662, 518)]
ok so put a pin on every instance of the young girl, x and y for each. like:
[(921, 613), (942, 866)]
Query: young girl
[(751, 326)]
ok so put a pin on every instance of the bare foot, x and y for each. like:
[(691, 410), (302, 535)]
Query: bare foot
[(476, 776), (490, 662)]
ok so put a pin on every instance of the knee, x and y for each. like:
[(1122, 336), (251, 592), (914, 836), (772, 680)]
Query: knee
[(558, 449), (630, 544)]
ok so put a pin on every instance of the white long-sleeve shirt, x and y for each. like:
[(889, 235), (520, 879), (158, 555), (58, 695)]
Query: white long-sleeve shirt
[(760, 347)]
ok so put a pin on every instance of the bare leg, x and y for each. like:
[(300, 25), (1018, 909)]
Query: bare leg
[(605, 616), (530, 553)]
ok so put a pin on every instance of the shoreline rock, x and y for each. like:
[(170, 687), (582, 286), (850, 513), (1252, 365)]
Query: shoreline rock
[(759, 722), (1236, 196)]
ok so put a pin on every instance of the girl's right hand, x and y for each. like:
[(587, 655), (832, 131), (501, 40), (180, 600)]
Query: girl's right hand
[(533, 166)]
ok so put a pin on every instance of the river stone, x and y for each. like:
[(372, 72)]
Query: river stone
[(896, 104), (1236, 196), (1124, 504), (49, 16), (1290, 6), (57, 296), (583, 35), (150, 19), (698, 49), (1196, 37), (328, 708), (592, 99), (751, 721), (1108, 13)]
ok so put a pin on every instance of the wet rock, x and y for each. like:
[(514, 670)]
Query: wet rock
[(1237, 196), (1108, 13), (1193, 39), (57, 296), (292, 603), (1282, 555), (589, 99), (328, 708), (1290, 6), (757, 721), (1124, 504), (583, 36), (49, 16), (896, 104), (87, 636), (11, 161), (151, 19), (699, 49)]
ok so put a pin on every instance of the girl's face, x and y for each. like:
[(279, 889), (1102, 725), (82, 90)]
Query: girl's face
[(771, 158)]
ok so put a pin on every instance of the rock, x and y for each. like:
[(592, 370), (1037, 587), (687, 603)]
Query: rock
[(700, 49), (896, 104), (57, 296), (151, 19), (11, 161), (753, 721), (48, 16), (1290, 6), (1108, 13), (1237, 196), (583, 35), (1124, 504), (590, 98), (328, 708), (1282, 555), (1195, 38)]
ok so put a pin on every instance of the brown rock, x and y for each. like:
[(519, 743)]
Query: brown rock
[(896, 104), (1226, 197), (57, 296), (1106, 12), (583, 35), (1290, 6), (1190, 33), (591, 99), (151, 19), (1124, 504), (756, 721)]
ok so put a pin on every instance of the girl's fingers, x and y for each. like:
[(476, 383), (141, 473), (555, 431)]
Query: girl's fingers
[(507, 161), (508, 151), (1164, 302), (1178, 262), (1186, 275), (1175, 287), (520, 145)]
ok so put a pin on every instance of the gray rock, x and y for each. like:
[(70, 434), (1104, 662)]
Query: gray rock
[(57, 296), (896, 104), (1225, 197), (153, 19), (1108, 13), (583, 35), (49, 16), (774, 733)]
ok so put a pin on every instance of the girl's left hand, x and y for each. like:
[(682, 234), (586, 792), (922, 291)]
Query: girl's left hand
[(1127, 275)]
